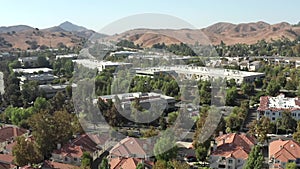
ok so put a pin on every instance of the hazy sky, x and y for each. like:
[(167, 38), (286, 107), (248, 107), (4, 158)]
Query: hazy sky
[(96, 14)]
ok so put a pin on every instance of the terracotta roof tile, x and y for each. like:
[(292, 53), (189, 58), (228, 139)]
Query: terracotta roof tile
[(77, 147), (9, 132), (284, 150), (234, 145), (6, 159), (127, 163), (132, 147), (56, 165)]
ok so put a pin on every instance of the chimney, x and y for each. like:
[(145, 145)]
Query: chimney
[(220, 133), (15, 134), (213, 145), (145, 147), (58, 146)]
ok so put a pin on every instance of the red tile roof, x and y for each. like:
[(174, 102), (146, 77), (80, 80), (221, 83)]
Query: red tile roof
[(9, 147), (234, 145), (99, 139), (127, 163), (284, 150), (6, 159), (56, 165), (132, 147), (9, 132), (264, 104), (77, 147)]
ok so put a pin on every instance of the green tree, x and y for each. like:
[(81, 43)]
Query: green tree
[(86, 160), (247, 89), (172, 117), (231, 96), (29, 92), (273, 88), (140, 166), (236, 118), (298, 90), (201, 152), (18, 116), (160, 164), (291, 165), (52, 129), (40, 104), (104, 164), (255, 159), (260, 128), (42, 62), (180, 165), (287, 122), (26, 151), (296, 134), (165, 148), (205, 92)]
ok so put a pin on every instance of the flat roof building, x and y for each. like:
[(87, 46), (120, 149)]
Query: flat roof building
[(144, 98), (100, 65), (50, 90), (201, 73), (68, 56), (33, 70)]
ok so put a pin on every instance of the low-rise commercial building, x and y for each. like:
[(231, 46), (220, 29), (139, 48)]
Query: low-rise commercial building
[(202, 73), (146, 99), (32, 70), (50, 91), (100, 65)]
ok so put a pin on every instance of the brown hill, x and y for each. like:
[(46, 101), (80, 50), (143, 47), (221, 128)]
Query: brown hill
[(49, 37), (23, 36), (248, 33)]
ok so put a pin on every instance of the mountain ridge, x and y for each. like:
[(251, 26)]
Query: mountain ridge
[(72, 35)]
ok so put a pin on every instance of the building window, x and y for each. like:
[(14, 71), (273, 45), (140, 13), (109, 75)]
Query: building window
[(75, 159), (273, 118), (222, 166), (230, 161), (273, 113), (66, 158)]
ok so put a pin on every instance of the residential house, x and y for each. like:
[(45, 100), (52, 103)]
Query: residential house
[(72, 152), (231, 151), (129, 163), (132, 148), (272, 107), (282, 152), (6, 161), (8, 134)]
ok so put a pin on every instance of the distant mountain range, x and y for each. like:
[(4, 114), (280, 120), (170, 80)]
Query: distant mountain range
[(229, 33), (22, 36)]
